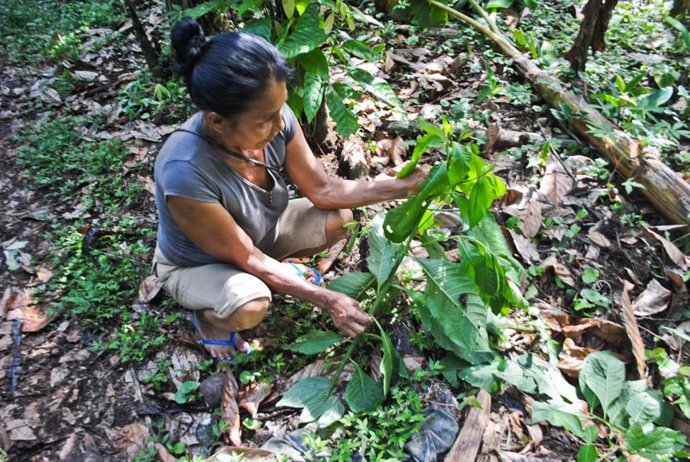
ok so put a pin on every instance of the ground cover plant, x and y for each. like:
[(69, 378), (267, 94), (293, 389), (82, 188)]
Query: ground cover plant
[(528, 299)]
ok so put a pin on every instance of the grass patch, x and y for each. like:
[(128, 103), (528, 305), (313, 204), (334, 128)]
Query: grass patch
[(36, 30)]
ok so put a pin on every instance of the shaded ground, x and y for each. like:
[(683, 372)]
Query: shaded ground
[(61, 400)]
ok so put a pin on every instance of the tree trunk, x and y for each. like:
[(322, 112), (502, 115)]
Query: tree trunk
[(151, 54), (597, 14), (668, 192), (680, 7)]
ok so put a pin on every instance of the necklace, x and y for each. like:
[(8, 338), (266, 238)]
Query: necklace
[(229, 152)]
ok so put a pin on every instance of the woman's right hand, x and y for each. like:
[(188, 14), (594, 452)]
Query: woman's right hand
[(347, 314)]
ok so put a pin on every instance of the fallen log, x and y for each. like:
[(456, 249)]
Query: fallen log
[(667, 191), (469, 439)]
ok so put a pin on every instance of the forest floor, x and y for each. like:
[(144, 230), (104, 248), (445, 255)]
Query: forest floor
[(96, 366)]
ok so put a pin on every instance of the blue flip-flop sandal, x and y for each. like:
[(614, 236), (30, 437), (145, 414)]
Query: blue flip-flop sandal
[(299, 269), (229, 342)]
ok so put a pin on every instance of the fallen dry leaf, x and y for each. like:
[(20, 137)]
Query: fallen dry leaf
[(18, 304), (20, 430), (530, 218), (572, 357), (599, 239), (131, 439), (251, 396), (163, 453), (231, 453), (672, 251), (231, 412), (149, 288), (524, 247), (556, 183), (610, 332), (560, 270), (653, 300), (633, 330)]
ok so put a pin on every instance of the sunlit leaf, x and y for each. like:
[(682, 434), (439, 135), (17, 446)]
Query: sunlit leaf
[(383, 252), (601, 379), (346, 122), (306, 36), (376, 86), (314, 342)]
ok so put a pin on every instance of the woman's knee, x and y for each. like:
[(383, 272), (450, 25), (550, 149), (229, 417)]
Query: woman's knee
[(335, 224), (248, 315)]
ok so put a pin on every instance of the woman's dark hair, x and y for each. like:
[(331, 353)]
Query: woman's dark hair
[(226, 73)]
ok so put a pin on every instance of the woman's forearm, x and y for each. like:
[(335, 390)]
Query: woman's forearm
[(346, 194)]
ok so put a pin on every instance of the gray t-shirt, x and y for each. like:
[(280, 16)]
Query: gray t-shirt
[(188, 167)]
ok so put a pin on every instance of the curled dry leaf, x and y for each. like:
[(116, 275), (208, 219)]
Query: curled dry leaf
[(571, 358), (149, 288), (251, 396), (530, 218), (231, 412), (524, 247), (560, 270), (672, 251), (653, 300), (633, 329), (556, 183), (18, 304), (610, 332), (599, 239)]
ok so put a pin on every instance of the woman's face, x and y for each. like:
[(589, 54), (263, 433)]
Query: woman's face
[(256, 127)]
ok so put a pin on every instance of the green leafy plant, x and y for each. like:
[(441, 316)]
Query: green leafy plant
[(459, 296)]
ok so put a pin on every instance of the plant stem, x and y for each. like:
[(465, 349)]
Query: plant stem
[(375, 309)]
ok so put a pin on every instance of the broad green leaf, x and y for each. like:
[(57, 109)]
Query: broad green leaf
[(401, 221), (680, 27), (383, 253), (315, 78), (346, 122), (345, 91), (432, 129), (389, 361), (288, 7), (328, 23), (203, 8), (602, 376), (423, 13), (587, 453), (322, 408), (362, 393), (655, 443), (645, 407), (261, 27), (376, 86), (246, 5), (314, 342), (560, 418), (302, 5), (335, 410), (423, 144), (306, 36), (361, 50), (459, 158), (430, 324), (303, 391), (656, 99), (353, 284), (498, 4), (481, 199), (453, 301)]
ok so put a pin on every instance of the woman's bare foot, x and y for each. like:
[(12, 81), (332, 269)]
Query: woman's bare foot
[(220, 343)]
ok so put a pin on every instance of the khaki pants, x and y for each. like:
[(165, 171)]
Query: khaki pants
[(223, 287)]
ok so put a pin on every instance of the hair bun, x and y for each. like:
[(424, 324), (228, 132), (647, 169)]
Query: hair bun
[(188, 41)]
